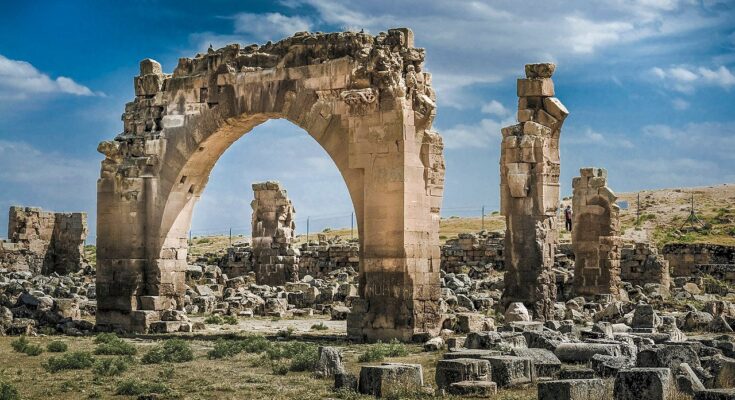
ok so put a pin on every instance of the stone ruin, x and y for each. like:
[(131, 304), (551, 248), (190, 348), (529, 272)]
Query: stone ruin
[(477, 252), (641, 264), (365, 99), (44, 242), (529, 192), (275, 260), (595, 235)]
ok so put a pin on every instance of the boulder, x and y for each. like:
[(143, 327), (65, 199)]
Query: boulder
[(434, 344), (516, 312), (329, 363)]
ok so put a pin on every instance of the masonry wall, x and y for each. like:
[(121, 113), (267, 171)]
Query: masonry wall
[(473, 251), (683, 257), (641, 264), (44, 242)]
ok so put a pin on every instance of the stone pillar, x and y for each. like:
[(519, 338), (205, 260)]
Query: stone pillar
[(529, 192), (275, 259), (595, 235)]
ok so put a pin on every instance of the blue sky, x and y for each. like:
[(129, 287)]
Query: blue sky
[(650, 85)]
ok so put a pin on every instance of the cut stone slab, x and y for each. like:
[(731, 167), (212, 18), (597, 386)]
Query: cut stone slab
[(687, 381), (388, 378), (510, 370), (667, 356), (643, 384), (545, 363), (470, 353), (574, 389), (345, 381), (482, 389), (461, 369), (582, 373), (583, 352), (715, 394)]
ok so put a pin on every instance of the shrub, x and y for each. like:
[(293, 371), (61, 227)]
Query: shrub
[(105, 338), (20, 344), (172, 350), (57, 346), (115, 347), (214, 319), (225, 349), (111, 366), (33, 350), (255, 344), (285, 333), (134, 387), (230, 320), (319, 327), (75, 360), (8, 392), (279, 368), (379, 351), (305, 360)]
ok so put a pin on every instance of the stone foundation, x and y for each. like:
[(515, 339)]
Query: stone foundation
[(683, 257), (641, 264)]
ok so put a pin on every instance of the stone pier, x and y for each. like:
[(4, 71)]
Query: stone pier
[(529, 192), (595, 235), (275, 260)]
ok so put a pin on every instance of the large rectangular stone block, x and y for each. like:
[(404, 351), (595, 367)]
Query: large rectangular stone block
[(510, 371), (461, 369), (574, 389), (387, 379), (643, 384)]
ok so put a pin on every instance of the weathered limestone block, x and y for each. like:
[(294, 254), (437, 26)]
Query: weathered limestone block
[(544, 362), (450, 371), (574, 389), (390, 379), (595, 235), (529, 193), (330, 362), (643, 384), (481, 389), (364, 98), (583, 352), (510, 370)]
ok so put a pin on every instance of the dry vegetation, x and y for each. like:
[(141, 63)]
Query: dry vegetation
[(244, 375)]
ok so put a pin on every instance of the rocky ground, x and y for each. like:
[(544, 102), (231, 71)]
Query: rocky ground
[(244, 340)]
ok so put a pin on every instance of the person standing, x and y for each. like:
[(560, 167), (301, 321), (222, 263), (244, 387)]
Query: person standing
[(568, 218)]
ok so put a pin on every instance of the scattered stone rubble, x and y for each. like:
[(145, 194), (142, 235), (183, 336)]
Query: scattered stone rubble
[(44, 242)]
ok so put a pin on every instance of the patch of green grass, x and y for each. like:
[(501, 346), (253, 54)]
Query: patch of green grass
[(75, 360), (379, 351), (305, 359), (172, 350), (112, 366), (57, 346), (214, 319), (8, 392), (20, 344), (279, 368), (134, 387), (225, 349), (230, 320), (33, 350)]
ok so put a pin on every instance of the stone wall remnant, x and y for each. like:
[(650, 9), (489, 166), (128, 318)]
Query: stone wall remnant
[(529, 192), (44, 242), (641, 264), (684, 257), (275, 260), (364, 98), (595, 235), (471, 252)]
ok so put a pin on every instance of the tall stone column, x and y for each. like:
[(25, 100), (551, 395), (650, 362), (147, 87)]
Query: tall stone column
[(595, 235), (274, 258), (529, 192)]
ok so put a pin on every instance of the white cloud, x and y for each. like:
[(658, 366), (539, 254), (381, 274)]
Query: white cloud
[(686, 79), (481, 135), (270, 26), (706, 139), (680, 104), (19, 79), (496, 108), (591, 137)]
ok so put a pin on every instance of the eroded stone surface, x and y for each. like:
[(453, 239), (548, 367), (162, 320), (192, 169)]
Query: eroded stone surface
[(365, 99), (529, 192)]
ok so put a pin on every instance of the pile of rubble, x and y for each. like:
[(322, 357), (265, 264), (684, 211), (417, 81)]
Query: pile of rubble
[(54, 303)]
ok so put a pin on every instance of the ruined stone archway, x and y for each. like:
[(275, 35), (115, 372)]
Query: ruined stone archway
[(363, 98)]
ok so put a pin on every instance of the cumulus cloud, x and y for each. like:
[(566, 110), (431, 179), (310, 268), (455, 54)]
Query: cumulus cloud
[(589, 136), (480, 135), (19, 79), (680, 104), (686, 79), (496, 108), (269, 26), (707, 139)]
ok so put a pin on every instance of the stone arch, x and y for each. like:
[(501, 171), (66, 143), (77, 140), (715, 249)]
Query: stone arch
[(363, 98)]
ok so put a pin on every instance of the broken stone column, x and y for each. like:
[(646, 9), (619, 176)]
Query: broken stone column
[(595, 235), (529, 192), (275, 260)]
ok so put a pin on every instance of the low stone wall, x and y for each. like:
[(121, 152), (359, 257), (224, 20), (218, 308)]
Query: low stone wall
[(43, 242), (320, 260), (640, 263), (683, 257), (473, 250), (721, 272)]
